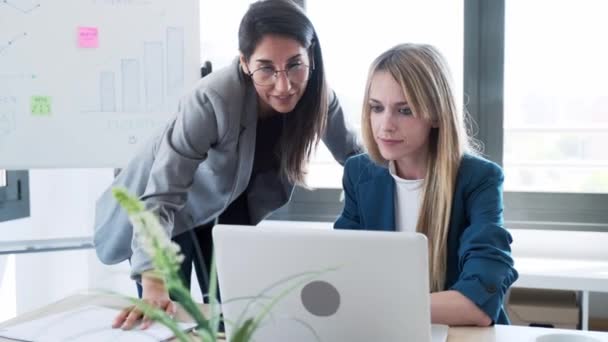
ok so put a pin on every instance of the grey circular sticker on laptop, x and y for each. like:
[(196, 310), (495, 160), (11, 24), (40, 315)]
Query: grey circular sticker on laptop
[(320, 298)]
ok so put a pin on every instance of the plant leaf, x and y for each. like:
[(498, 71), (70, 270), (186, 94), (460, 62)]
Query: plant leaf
[(130, 203), (244, 332), (182, 296), (214, 314)]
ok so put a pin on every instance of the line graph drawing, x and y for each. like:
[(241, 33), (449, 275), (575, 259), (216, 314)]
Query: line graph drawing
[(11, 42), (25, 10)]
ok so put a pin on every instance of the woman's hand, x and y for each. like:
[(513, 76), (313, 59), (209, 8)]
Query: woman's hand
[(453, 308), (154, 293)]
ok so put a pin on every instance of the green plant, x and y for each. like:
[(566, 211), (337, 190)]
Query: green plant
[(166, 259)]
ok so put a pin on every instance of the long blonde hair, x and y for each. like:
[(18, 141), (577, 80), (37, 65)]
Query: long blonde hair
[(424, 77)]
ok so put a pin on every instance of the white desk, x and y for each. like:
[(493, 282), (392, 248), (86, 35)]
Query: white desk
[(498, 333), (564, 274)]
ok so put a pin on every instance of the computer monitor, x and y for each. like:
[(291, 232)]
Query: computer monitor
[(324, 284)]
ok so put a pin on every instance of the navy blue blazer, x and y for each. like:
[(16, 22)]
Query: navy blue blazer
[(479, 263)]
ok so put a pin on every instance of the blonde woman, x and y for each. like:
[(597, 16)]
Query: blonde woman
[(420, 174)]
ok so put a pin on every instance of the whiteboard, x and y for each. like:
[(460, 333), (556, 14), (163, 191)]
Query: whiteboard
[(83, 83)]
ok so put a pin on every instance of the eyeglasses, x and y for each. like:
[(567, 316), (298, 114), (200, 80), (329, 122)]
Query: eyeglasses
[(267, 76)]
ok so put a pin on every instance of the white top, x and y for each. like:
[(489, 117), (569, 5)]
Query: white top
[(408, 195)]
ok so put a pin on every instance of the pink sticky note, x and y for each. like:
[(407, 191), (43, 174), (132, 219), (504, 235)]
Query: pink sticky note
[(88, 37)]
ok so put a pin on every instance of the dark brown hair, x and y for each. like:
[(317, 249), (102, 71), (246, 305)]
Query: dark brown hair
[(305, 125)]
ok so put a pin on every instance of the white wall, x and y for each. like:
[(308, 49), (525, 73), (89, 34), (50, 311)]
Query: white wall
[(7, 288), (62, 205)]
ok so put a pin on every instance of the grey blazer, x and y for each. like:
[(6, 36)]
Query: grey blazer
[(193, 169)]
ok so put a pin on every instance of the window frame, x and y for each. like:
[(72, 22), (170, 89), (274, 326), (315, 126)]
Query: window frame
[(14, 197)]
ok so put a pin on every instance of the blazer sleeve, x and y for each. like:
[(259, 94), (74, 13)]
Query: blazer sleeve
[(183, 146), (341, 141), (485, 253), (350, 217), (113, 231)]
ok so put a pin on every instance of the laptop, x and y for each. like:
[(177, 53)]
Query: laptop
[(324, 284)]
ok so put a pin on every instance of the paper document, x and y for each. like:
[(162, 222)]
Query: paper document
[(89, 323), (439, 332)]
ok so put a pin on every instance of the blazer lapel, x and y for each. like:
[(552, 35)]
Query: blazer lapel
[(246, 143), (377, 197)]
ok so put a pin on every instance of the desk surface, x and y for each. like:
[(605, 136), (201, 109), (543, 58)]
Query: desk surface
[(498, 333)]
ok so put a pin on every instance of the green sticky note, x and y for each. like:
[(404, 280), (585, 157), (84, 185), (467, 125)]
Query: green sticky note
[(41, 105)]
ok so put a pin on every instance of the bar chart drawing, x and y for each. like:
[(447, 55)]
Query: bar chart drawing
[(130, 85), (107, 92), (175, 59), (151, 83), (153, 75)]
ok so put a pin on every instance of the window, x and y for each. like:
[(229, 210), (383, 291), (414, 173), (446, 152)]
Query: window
[(351, 38), (14, 195), (219, 30), (348, 48), (361, 33), (537, 65), (555, 98), (534, 90)]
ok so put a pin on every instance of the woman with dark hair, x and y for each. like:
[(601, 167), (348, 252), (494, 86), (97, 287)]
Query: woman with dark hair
[(233, 153)]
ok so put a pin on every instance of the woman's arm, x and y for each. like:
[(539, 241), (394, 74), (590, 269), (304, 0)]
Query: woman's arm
[(182, 148), (452, 308), (484, 253)]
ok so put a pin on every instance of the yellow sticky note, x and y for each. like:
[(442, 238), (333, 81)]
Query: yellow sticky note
[(41, 105)]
